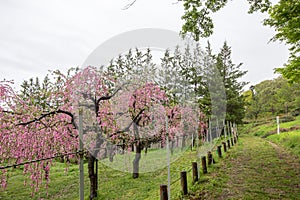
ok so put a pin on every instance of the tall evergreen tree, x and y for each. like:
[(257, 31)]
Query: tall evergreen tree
[(231, 74)]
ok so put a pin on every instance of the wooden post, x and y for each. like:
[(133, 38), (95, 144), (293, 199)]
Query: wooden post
[(220, 151), (195, 172), (204, 167), (184, 182), (224, 146), (228, 144), (163, 192), (210, 159), (234, 139), (231, 141)]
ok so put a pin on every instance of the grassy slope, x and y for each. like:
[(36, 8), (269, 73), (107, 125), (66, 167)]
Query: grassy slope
[(257, 168), (289, 140)]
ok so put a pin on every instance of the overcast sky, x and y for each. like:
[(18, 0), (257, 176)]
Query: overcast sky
[(39, 35)]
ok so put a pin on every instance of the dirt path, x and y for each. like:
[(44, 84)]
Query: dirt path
[(259, 169)]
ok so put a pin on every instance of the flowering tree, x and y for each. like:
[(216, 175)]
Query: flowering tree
[(42, 120), (29, 133)]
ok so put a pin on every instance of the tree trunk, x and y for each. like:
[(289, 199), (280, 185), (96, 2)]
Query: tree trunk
[(136, 161), (172, 147), (92, 176), (96, 177), (183, 142), (92, 169)]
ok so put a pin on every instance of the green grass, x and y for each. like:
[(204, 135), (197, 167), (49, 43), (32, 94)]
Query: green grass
[(289, 140), (268, 128), (244, 172), (63, 184), (253, 169), (113, 184), (256, 168)]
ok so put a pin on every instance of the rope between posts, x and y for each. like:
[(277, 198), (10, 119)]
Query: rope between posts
[(188, 170)]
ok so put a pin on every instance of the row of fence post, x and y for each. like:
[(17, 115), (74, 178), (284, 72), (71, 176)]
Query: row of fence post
[(210, 161)]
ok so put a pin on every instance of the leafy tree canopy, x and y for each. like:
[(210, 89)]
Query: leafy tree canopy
[(284, 17), (197, 15), (272, 97)]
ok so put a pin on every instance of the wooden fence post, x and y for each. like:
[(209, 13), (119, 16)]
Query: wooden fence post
[(228, 144), (224, 146), (204, 167), (220, 151), (163, 192), (210, 159), (195, 172), (231, 141), (184, 182)]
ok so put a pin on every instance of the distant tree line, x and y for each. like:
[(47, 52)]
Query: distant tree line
[(271, 98)]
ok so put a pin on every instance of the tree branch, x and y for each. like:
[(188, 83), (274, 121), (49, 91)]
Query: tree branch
[(48, 114), (129, 5), (110, 96), (130, 124), (10, 112)]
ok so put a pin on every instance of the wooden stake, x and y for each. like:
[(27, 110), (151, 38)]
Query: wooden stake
[(210, 159), (195, 172), (220, 151), (204, 167), (184, 182), (163, 192), (224, 146)]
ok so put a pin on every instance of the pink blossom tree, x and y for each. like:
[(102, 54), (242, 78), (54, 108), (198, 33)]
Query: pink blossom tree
[(42, 120)]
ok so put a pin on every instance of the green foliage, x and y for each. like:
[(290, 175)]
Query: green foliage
[(213, 79), (272, 97), (197, 15), (228, 74), (291, 71), (38, 93), (284, 17), (231, 74)]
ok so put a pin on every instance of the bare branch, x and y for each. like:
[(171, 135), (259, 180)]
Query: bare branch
[(10, 112), (129, 5)]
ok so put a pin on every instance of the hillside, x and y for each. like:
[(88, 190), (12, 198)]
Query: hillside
[(263, 165)]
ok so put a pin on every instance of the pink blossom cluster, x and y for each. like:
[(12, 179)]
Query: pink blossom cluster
[(29, 132)]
